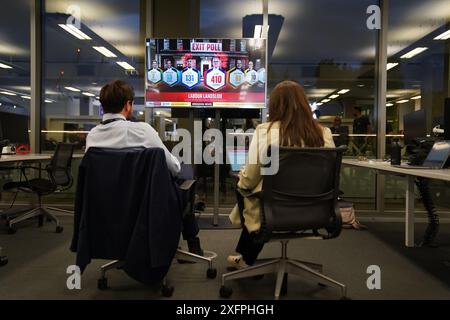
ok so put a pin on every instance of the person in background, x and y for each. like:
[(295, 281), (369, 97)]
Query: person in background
[(115, 131), (361, 126), (291, 115), (341, 131)]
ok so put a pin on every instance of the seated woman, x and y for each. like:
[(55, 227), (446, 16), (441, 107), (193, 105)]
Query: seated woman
[(291, 115)]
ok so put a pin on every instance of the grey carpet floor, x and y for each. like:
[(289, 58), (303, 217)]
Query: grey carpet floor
[(38, 259)]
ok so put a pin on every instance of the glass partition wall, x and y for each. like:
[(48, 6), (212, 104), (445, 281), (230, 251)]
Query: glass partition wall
[(327, 46)]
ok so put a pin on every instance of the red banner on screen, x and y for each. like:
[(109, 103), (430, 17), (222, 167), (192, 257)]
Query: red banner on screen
[(238, 97)]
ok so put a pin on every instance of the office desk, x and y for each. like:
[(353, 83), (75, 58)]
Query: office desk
[(410, 175)]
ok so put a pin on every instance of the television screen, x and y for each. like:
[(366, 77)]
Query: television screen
[(222, 73)]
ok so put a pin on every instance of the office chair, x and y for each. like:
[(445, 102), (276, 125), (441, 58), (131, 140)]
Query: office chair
[(59, 178), (3, 259), (133, 170), (302, 196), (180, 255)]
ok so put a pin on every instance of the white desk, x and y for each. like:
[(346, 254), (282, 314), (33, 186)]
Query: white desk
[(40, 157), (409, 175)]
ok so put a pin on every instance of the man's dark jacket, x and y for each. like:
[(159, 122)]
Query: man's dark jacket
[(127, 208)]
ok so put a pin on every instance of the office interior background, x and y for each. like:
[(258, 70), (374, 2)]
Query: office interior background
[(324, 45)]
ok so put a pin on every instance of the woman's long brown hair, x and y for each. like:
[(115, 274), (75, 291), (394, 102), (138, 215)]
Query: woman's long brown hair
[(288, 105)]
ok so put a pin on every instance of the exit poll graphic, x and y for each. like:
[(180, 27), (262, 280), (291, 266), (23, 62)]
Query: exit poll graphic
[(206, 73)]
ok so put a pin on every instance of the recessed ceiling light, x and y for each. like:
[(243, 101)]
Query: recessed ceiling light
[(402, 101), (48, 101), (125, 65), (416, 98), (7, 93), (26, 97), (5, 66), (326, 100), (334, 96), (104, 51), (344, 91), (319, 104), (391, 65), (361, 85), (443, 36), (414, 53), (88, 94), (70, 28), (72, 89), (389, 104)]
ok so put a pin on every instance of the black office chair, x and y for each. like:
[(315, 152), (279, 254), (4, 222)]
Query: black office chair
[(301, 197), (59, 178), (114, 190)]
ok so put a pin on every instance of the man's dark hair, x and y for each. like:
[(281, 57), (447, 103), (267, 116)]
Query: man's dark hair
[(115, 95), (358, 109)]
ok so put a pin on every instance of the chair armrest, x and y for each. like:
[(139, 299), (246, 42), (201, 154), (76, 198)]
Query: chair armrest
[(187, 185)]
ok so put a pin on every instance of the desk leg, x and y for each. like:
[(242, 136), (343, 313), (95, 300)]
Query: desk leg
[(409, 213)]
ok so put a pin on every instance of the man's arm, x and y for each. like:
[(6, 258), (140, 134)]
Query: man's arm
[(154, 141)]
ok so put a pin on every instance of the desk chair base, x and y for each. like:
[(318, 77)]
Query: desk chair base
[(282, 267), (166, 289), (39, 212)]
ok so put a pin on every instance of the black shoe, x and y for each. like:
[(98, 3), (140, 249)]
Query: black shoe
[(194, 246)]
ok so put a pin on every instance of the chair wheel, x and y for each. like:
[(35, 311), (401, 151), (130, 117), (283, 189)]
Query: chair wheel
[(11, 230), (3, 261), (211, 273), (225, 292), (102, 283), (59, 229), (167, 291)]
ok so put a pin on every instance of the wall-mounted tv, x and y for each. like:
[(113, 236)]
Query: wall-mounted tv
[(206, 73)]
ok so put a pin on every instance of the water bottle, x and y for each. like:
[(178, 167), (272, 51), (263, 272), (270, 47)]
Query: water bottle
[(396, 153)]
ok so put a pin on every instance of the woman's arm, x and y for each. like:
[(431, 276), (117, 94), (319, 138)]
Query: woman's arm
[(250, 174)]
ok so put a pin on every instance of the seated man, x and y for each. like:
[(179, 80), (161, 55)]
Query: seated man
[(115, 131)]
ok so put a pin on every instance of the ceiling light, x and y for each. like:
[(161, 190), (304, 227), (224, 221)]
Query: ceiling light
[(414, 53), (88, 94), (402, 101), (344, 91), (389, 104), (319, 104), (361, 85), (72, 89), (391, 65), (48, 101), (70, 28), (443, 36), (258, 33), (326, 100), (416, 98), (141, 113), (7, 93), (334, 96), (26, 97), (125, 65), (5, 66), (107, 53)]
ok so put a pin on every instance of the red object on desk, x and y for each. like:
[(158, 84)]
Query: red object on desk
[(23, 149)]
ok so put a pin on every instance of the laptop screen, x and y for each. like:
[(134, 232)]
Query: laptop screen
[(438, 155), (237, 158)]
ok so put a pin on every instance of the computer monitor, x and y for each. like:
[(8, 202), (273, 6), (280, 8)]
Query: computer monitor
[(415, 125), (438, 155), (237, 158), (14, 127)]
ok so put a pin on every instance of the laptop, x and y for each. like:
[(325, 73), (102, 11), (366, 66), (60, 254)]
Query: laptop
[(237, 159), (436, 159)]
